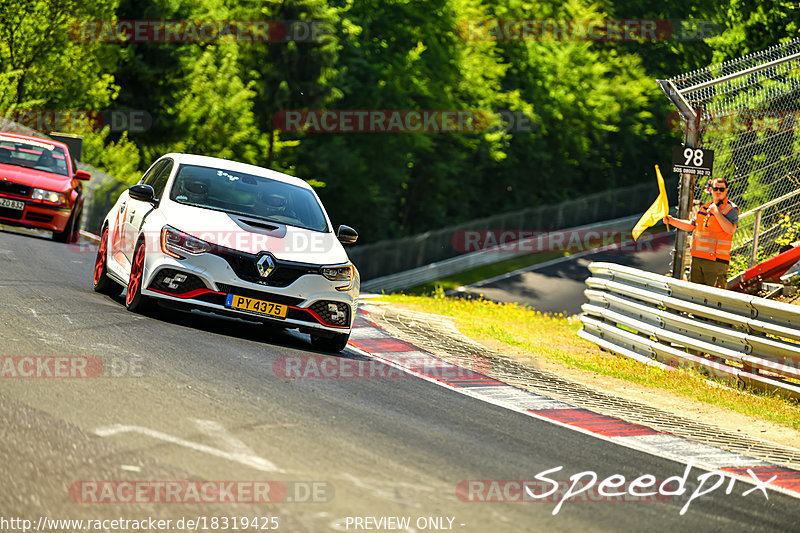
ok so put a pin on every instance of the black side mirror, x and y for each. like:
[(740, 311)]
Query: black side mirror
[(346, 235), (145, 193)]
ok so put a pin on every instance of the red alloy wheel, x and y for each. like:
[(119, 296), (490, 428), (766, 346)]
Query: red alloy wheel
[(136, 275), (100, 261)]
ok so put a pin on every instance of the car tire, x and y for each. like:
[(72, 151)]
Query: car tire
[(134, 299), (102, 282), (334, 344), (68, 235)]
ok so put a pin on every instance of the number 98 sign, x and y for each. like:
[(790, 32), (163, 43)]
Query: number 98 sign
[(695, 161)]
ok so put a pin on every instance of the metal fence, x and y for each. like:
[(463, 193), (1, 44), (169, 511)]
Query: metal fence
[(495, 254), (748, 112), (667, 322), (389, 257)]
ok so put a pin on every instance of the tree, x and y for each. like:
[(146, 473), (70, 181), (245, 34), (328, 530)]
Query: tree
[(45, 64)]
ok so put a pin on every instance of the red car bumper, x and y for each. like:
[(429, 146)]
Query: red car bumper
[(35, 215)]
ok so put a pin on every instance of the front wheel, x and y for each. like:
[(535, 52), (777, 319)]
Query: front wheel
[(334, 344), (102, 282), (134, 300), (69, 234)]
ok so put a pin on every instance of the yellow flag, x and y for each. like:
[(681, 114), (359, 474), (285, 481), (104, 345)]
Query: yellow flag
[(657, 211)]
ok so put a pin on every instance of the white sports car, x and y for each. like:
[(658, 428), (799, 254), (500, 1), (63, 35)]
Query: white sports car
[(208, 233)]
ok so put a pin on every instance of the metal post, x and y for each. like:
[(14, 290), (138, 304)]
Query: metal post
[(756, 229), (686, 188), (685, 198)]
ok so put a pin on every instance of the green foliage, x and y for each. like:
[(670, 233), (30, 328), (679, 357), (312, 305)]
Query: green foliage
[(214, 111), (790, 231), (43, 64), (120, 158), (593, 117)]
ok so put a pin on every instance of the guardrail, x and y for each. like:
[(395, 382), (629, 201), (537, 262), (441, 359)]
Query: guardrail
[(674, 323), (470, 260)]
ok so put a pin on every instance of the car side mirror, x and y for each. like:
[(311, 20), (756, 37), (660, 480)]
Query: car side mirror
[(346, 235), (82, 175), (145, 193)]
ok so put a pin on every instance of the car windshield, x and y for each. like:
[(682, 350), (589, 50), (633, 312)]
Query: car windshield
[(249, 195), (33, 154)]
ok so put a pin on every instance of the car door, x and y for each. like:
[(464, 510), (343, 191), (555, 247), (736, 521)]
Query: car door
[(137, 210), (119, 246)]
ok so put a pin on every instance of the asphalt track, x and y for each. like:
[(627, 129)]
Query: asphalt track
[(557, 286), (190, 397)]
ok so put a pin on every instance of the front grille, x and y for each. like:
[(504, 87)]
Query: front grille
[(9, 187), (334, 313), (166, 281), (15, 214), (38, 217), (284, 274), (259, 295)]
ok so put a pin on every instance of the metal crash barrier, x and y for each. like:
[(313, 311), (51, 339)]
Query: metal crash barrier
[(669, 323)]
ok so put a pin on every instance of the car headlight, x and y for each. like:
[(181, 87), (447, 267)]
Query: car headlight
[(174, 243), (51, 197), (339, 273)]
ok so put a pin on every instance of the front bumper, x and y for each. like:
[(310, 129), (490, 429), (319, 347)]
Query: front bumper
[(205, 281), (35, 215)]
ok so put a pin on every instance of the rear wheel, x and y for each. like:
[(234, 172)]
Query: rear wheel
[(334, 344), (134, 300), (102, 283)]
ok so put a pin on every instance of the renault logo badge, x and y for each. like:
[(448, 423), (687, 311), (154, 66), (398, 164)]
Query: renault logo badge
[(265, 266)]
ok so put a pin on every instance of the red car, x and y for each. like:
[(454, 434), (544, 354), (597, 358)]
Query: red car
[(40, 187)]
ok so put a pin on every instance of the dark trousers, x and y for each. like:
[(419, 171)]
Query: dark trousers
[(708, 272)]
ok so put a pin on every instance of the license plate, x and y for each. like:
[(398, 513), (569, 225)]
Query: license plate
[(12, 204), (256, 306)]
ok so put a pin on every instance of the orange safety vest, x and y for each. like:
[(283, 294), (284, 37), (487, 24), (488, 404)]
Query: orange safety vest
[(709, 240)]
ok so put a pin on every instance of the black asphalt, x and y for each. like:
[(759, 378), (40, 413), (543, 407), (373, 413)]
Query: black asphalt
[(382, 447)]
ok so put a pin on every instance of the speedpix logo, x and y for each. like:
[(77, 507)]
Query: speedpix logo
[(588, 487)]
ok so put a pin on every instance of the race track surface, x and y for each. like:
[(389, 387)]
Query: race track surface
[(185, 399)]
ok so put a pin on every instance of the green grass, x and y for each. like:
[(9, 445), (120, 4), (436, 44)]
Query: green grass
[(553, 337)]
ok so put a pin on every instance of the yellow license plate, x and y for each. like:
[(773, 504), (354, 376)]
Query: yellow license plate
[(256, 306)]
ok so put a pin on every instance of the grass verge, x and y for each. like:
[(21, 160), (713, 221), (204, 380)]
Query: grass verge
[(553, 337)]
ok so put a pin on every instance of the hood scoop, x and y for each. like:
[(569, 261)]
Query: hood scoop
[(261, 226)]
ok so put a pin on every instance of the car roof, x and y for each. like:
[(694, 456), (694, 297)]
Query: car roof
[(37, 139), (235, 166)]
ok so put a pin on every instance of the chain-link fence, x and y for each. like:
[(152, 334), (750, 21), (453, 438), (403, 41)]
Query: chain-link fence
[(749, 110)]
